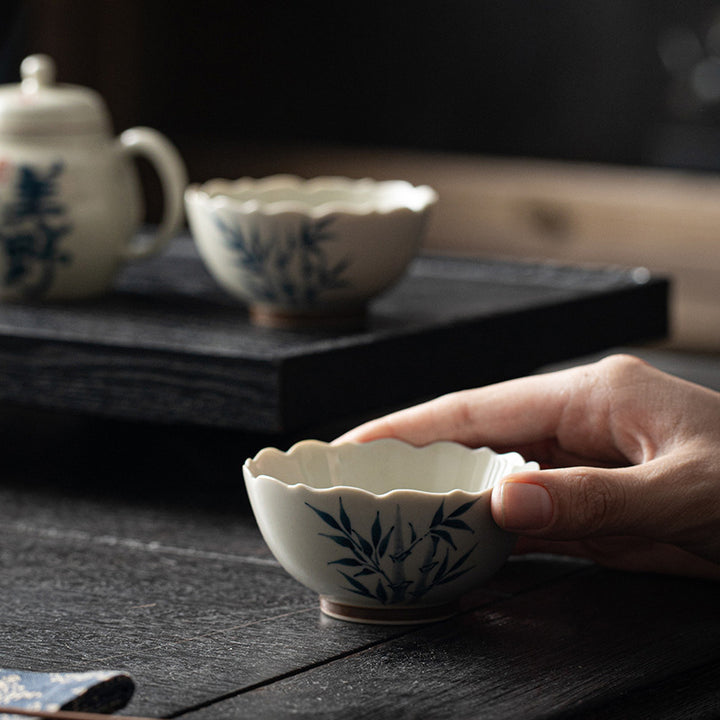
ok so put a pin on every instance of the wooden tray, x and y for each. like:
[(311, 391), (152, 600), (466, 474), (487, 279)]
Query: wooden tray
[(168, 346)]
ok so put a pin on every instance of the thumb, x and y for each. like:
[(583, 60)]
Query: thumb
[(566, 504)]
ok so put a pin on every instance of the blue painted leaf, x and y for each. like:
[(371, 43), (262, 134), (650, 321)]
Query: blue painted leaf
[(338, 269), (350, 562), (359, 587), (437, 518), (323, 222), (339, 539), (382, 547), (364, 571), (462, 509), (400, 557), (443, 567), (428, 567), (459, 562), (380, 592), (376, 530), (325, 517), (450, 578), (401, 586), (456, 524), (413, 534), (444, 535), (364, 544), (358, 592), (344, 519)]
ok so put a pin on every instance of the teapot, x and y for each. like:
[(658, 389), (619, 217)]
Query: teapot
[(70, 197)]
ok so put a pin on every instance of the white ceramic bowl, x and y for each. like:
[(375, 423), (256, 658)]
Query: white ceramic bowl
[(298, 250), (384, 531)]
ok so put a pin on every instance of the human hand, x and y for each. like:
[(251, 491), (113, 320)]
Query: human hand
[(629, 456)]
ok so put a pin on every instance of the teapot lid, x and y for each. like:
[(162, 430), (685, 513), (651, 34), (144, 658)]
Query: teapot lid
[(39, 106)]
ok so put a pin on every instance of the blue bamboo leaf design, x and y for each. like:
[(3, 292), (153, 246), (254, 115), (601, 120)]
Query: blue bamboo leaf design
[(364, 544), (401, 557), (459, 562), (339, 539), (462, 509), (444, 535), (376, 530), (331, 278), (325, 517), (350, 562), (365, 555), (456, 524), (380, 592), (340, 267), (382, 547), (357, 586), (300, 249), (344, 519), (438, 517), (452, 577), (443, 567), (322, 223), (400, 588)]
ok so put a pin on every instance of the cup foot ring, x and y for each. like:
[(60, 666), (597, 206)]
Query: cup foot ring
[(390, 615)]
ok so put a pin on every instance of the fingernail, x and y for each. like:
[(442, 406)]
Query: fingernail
[(525, 506)]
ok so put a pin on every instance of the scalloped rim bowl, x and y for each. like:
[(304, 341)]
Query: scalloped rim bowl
[(297, 250), (317, 197), (384, 532)]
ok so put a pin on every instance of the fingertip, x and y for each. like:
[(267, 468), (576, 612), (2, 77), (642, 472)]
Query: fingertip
[(520, 505), (360, 434), (496, 504)]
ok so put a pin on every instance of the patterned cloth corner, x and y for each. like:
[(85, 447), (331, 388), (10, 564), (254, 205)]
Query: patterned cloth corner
[(99, 691)]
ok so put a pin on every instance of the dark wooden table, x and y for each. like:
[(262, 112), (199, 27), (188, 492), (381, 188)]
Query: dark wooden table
[(130, 546), (127, 542)]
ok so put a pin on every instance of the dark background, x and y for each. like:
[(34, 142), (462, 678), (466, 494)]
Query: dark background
[(619, 81)]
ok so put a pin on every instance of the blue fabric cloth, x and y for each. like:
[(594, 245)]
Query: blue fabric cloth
[(97, 691)]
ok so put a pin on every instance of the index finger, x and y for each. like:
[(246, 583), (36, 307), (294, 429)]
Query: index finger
[(515, 412)]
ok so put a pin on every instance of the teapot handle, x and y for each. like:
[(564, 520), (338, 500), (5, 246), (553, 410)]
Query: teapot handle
[(173, 176)]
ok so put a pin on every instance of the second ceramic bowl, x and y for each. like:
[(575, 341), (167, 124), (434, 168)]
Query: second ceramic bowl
[(307, 251)]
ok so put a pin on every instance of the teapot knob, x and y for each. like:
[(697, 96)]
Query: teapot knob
[(37, 71)]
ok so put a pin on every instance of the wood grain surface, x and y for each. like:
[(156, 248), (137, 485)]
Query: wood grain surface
[(167, 346), (144, 559)]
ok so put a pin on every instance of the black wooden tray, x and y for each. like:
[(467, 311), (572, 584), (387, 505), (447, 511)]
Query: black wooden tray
[(168, 346)]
